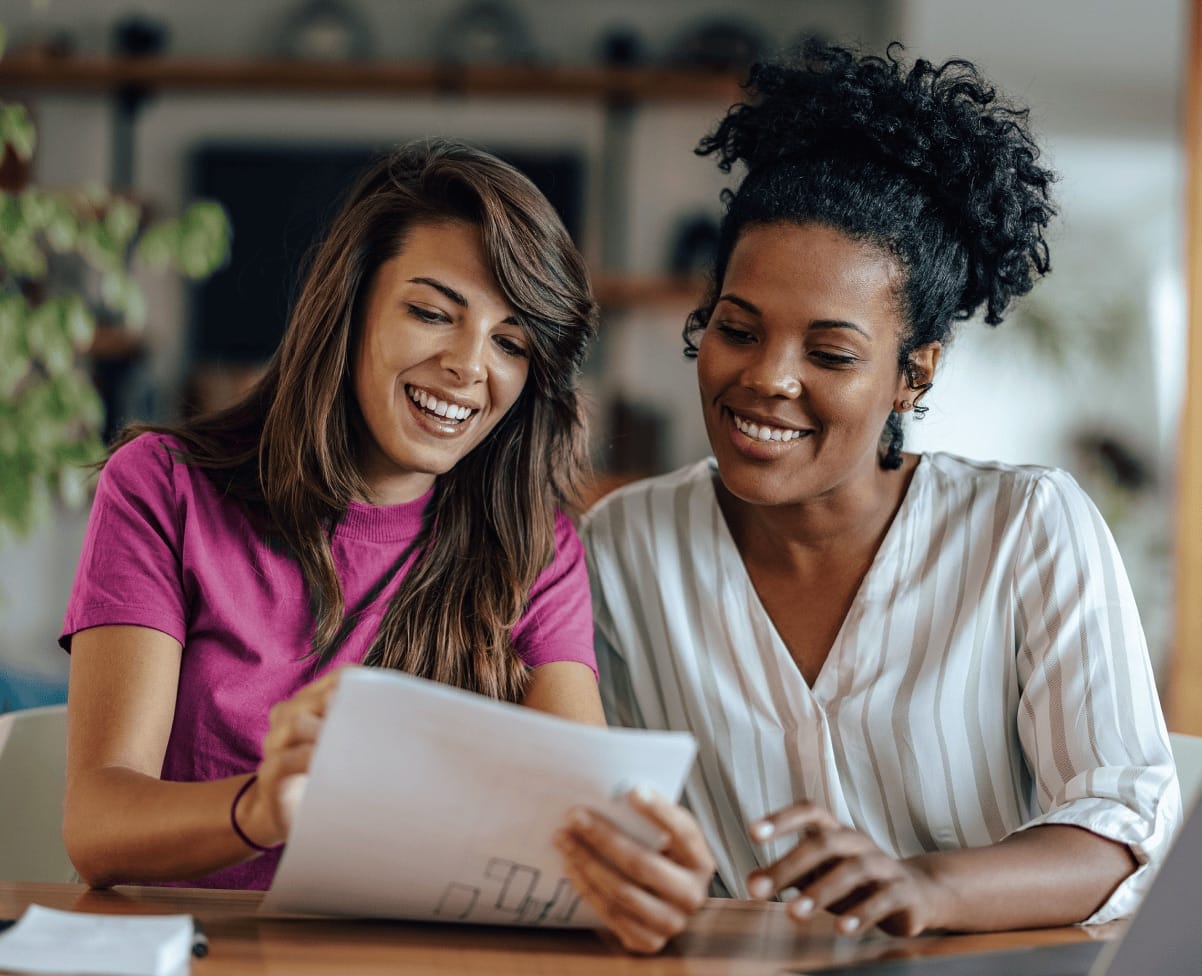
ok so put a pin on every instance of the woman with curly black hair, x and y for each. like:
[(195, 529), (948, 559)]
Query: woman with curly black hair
[(919, 685)]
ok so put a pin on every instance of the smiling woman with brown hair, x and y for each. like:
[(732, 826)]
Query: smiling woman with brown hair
[(388, 494), (919, 685)]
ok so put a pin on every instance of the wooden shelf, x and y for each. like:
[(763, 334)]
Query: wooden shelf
[(622, 291), (98, 74)]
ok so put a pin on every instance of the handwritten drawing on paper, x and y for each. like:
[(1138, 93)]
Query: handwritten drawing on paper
[(511, 888), (428, 802)]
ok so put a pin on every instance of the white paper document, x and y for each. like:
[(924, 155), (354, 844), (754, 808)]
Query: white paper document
[(46, 940), (428, 802)]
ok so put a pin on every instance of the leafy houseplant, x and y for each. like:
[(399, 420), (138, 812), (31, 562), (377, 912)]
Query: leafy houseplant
[(65, 261)]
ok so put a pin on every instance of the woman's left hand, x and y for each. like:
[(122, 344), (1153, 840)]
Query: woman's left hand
[(839, 869), (644, 896)]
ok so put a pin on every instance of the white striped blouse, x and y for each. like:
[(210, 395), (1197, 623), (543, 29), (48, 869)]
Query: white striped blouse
[(991, 674)]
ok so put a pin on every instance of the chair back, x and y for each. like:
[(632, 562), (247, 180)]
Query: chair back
[(33, 782), (1187, 754)]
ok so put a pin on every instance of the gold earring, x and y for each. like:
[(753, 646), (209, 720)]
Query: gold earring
[(904, 405)]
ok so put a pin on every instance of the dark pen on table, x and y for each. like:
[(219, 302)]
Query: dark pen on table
[(200, 941)]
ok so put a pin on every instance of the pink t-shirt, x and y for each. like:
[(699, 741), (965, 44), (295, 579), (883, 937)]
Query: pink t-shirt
[(164, 549)]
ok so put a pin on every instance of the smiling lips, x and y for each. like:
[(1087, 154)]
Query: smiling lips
[(760, 431), (444, 410)]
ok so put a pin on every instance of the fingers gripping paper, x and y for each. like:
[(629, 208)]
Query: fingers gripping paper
[(427, 802)]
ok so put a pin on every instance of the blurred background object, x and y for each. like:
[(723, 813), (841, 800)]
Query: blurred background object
[(723, 44), (324, 30), (269, 108), (484, 32)]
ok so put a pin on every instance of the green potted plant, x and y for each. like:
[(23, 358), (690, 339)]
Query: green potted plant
[(50, 411)]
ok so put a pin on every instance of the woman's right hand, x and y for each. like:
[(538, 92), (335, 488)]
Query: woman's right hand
[(264, 813), (644, 896)]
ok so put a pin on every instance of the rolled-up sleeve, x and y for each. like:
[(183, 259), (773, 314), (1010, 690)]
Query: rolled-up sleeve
[(1089, 717)]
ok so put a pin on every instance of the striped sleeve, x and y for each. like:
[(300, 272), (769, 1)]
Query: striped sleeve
[(617, 694), (1089, 719)]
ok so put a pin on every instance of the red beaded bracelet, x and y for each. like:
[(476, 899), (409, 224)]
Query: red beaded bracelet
[(234, 818)]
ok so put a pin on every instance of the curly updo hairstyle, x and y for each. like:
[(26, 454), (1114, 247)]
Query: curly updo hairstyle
[(925, 162)]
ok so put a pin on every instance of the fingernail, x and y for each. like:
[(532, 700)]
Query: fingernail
[(759, 888), (762, 830), (802, 907), (579, 819), (643, 794), (789, 894), (849, 924)]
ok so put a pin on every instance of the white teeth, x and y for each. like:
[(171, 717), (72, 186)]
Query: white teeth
[(762, 432), (441, 408)]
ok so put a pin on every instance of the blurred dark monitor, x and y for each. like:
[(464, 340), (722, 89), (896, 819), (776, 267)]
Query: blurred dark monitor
[(279, 199)]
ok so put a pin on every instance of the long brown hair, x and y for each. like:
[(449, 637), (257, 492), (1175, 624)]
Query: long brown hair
[(287, 451)]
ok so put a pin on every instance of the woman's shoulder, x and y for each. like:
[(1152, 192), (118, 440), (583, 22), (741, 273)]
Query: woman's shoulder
[(956, 469), (150, 458), (1017, 488), (155, 464), (634, 504)]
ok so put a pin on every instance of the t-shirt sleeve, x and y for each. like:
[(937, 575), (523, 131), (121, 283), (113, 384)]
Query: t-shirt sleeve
[(129, 569), (1089, 718), (558, 622)]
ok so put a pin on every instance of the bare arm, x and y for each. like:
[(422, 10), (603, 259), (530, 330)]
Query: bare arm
[(121, 822), (1053, 874), (1048, 875), (567, 689)]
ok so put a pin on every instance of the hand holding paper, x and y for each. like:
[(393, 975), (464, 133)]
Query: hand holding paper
[(427, 802), (645, 896)]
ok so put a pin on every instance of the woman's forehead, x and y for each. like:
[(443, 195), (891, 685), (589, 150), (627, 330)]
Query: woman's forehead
[(810, 263)]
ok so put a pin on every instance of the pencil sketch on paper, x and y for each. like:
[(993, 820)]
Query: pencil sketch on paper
[(457, 901), (514, 885)]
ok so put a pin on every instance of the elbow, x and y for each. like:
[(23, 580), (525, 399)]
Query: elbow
[(92, 859), (87, 861)]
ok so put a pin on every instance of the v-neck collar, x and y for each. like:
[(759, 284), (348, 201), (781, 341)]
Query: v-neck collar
[(877, 582)]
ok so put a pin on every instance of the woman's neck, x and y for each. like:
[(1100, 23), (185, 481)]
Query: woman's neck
[(847, 521)]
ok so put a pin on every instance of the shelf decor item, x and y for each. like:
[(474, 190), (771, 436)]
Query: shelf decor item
[(484, 32), (50, 412), (720, 45), (325, 30)]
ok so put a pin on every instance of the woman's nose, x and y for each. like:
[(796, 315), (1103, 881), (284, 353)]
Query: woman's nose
[(465, 356), (772, 375)]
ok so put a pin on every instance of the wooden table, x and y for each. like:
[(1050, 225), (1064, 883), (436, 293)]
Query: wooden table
[(726, 937)]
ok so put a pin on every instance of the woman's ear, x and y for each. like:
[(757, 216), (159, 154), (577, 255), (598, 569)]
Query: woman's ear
[(917, 376)]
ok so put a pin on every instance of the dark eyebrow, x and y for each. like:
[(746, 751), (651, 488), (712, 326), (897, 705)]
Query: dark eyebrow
[(453, 295), (838, 324), (744, 304)]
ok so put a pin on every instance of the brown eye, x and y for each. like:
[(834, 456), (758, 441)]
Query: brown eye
[(426, 314), (511, 348), (833, 359), (734, 334)]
